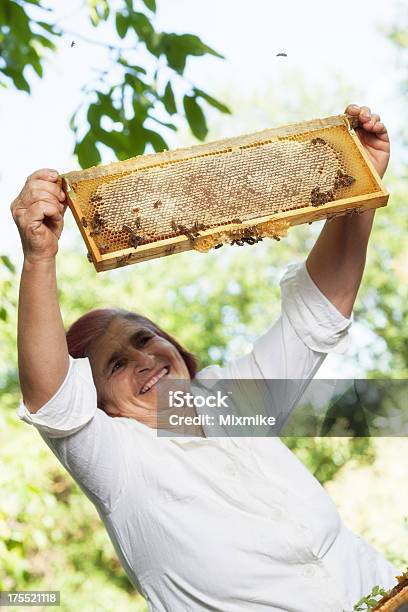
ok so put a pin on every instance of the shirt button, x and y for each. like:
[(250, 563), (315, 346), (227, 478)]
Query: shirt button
[(308, 571)]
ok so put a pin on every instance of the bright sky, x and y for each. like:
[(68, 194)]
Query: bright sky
[(321, 39)]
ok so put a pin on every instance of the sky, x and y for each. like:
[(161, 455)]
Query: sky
[(320, 38)]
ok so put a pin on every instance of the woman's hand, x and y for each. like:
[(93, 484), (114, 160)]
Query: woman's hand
[(38, 212), (373, 136)]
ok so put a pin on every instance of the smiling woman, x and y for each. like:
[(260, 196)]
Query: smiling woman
[(128, 354), (227, 524)]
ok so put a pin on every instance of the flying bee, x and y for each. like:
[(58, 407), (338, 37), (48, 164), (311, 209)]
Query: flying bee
[(157, 204), (281, 55)]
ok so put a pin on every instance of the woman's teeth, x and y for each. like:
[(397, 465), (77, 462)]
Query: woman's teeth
[(154, 380)]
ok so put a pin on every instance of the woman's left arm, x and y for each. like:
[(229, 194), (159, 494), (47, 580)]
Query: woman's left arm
[(336, 262)]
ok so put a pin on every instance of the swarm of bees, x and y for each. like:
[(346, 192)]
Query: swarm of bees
[(190, 232), (343, 180), (318, 197)]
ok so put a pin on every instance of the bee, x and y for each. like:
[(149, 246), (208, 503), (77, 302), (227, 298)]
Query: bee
[(318, 140), (135, 209), (135, 240), (157, 204), (123, 260), (89, 258), (218, 246), (174, 225), (281, 55), (73, 43), (103, 248), (169, 250), (236, 221), (97, 222), (84, 222)]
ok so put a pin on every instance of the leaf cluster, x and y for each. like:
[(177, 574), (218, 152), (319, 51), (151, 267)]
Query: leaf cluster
[(370, 602), (24, 41), (142, 98)]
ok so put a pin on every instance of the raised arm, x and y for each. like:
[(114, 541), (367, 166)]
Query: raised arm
[(42, 349), (336, 262)]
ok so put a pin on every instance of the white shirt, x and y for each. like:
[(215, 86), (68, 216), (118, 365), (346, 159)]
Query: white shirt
[(221, 524)]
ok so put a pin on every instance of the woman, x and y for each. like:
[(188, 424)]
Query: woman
[(225, 524)]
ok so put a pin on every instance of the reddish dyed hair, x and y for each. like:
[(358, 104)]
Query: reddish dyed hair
[(93, 325)]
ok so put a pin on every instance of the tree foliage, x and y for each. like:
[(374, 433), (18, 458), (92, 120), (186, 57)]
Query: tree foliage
[(216, 304), (131, 106)]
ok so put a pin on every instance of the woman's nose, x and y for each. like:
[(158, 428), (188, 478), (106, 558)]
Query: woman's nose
[(143, 361)]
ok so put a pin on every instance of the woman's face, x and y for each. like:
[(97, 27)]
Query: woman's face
[(127, 363)]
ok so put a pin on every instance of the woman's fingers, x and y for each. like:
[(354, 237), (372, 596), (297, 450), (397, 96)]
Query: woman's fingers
[(40, 211), (46, 174), (36, 185), (371, 122)]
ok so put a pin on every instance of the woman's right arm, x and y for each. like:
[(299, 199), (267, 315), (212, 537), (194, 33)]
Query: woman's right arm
[(42, 349)]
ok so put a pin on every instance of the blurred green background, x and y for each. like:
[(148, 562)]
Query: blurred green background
[(215, 304)]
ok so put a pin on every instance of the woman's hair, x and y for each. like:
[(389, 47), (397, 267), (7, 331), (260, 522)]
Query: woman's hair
[(93, 325)]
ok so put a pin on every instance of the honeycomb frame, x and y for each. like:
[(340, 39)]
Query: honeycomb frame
[(359, 188)]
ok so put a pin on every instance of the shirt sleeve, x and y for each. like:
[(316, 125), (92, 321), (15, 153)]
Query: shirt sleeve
[(293, 349), (84, 438)]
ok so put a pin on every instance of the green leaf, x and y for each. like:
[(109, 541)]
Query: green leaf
[(36, 64), (98, 10), (49, 28), (114, 140), (94, 115), (87, 152), (18, 79), (135, 83), (171, 126), (3, 314), (45, 42), (221, 107), (8, 263), (122, 25), (169, 100), (177, 47), (195, 117), (142, 26), (158, 143), (151, 5), (133, 67), (19, 22)]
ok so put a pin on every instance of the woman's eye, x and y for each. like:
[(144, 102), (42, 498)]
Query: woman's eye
[(145, 339), (117, 366)]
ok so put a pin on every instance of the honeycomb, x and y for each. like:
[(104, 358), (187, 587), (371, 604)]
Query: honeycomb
[(239, 190)]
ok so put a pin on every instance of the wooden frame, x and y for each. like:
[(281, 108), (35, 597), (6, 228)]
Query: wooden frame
[(379, 197)]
